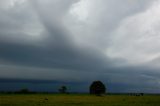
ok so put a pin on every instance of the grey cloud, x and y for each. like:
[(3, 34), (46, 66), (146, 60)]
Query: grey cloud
[(103, 18), (42, 40), (19, 24)]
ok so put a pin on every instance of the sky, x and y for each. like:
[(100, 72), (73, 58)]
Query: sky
[(48, 43)]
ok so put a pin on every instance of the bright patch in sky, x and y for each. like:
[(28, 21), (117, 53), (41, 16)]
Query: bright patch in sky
[(137, 39), (81, 9)]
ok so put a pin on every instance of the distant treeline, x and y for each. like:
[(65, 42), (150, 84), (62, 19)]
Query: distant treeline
[(96, 88), (133, 94), (22, 91), (30, 92)]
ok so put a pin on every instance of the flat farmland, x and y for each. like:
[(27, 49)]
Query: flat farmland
[(77, 100)]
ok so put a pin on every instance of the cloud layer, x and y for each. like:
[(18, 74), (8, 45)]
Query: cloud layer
[(80, 41)]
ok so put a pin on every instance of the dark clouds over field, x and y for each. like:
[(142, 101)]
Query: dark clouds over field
[(78, 41)]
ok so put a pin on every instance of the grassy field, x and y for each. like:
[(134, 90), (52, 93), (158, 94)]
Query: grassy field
[(78, 100)]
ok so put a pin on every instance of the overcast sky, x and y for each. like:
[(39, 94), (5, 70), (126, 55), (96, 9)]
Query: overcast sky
[(79, 41)]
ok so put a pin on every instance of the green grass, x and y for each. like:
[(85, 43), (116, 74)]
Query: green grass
[(78, 100)]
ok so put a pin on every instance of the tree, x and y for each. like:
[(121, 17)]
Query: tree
[(97, 88), (24, 91), (63, 89)]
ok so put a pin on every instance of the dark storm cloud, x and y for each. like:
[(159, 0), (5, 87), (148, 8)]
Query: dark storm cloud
[(52, 57), (58, 50), (44, 40)]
